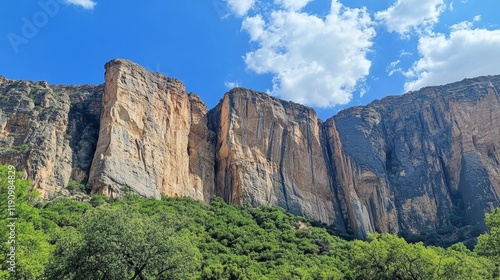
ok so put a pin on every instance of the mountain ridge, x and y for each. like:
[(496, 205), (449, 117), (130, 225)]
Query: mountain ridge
[(401, 164)]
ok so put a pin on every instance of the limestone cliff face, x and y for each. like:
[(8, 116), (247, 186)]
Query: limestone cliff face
[(410, 164), (144, 138), (269, 152), (406, 164), (201, 149), (49, 132)]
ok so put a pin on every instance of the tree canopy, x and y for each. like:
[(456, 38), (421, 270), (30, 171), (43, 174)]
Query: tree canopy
[(180, 238)]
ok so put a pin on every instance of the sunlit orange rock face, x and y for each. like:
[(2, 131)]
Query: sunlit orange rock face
[(153, 137)]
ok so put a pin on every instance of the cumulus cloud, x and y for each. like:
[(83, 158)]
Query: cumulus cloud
[(240, 7), (465, 53), (86, 4), (405, 16), (314, 60)]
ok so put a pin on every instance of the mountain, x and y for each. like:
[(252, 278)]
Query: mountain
[(426, 161)]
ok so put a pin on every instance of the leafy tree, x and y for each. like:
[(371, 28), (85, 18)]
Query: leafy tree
[(31, 245), (121, 243), (458, 262), (181, 238), (64, 212), (488, 244), (390, 257), (98, 200)]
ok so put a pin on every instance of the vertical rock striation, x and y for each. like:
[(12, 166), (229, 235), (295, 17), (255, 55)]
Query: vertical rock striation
[(49, 132), (406, 164), (410, 164), (144, 138), (201, 149), (269, 152)]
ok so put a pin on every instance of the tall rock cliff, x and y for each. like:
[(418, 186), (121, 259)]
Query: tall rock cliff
[(270, 152), (410, 164), (144, 138), (49, 132), (407, 164)]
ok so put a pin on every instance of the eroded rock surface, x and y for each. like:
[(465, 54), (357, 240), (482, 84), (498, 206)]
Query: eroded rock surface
[(269, 152), (49, 132), (144, 138), (409, 164), (415, 160)]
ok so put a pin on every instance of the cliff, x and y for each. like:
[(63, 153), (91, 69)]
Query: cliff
[(270, 152), (49, 132), (407, 164), (144, 137), (410, 164)]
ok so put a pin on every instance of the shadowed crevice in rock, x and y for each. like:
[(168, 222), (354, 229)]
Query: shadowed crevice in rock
[(49, 133), (422, 162)]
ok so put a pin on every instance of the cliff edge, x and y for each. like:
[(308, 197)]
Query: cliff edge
[(425, 161)]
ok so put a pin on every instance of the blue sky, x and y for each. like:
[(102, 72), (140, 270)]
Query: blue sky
[(326, 54)]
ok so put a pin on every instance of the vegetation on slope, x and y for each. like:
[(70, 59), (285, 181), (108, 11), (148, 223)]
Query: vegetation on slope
[(180, 238)]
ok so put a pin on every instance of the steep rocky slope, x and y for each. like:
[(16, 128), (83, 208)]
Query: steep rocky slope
[(408, 164), (144, 137), (49, 132), (270, 152)]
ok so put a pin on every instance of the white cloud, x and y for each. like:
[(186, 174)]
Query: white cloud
[(461, 25), (255, 26), (293, 5), (465, 53), (231, 85), (477, 18), (86, 4), (391, 69), (240, 7), (405, 53), (407, 15), (315, 61)]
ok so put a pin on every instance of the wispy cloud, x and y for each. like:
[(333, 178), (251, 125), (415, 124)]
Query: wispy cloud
[(86, 4), (391, 69), (240, 7), (403, 53), (293, 5), (231, 85)]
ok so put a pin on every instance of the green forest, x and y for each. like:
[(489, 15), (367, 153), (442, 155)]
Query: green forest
[(180, 238)]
